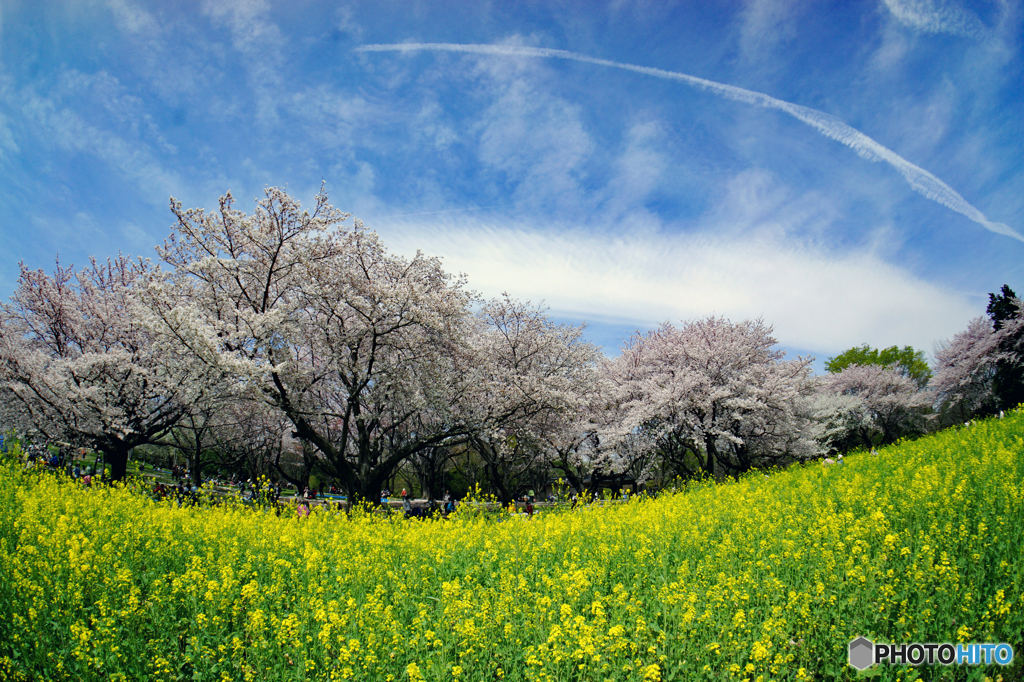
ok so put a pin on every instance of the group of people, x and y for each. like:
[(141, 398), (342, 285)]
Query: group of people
[(249, 491), (184, 494), (62, 458), (411, 511), (577, 500)]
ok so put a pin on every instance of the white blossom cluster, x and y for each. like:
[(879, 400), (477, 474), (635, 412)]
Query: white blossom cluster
[(966, 368)]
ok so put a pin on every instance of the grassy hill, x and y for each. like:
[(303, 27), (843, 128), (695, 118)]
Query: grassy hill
[(768, 577)]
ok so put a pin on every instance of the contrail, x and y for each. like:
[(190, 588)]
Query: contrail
[(922, 182)]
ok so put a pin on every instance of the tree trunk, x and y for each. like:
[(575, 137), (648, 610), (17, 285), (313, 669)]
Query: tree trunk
[(195, 460), (368, 492), (575, 481), (117, 456), (499, 484), (711, 454)]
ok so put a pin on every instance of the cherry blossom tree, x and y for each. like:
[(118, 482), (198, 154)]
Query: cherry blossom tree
[(528, 375), (838, 417), (229, 432), (976, 372), (588, 448), (12, 414), (715, 397), (575, 449), (193, 437), (1012, 345), (250, 436), (965, 369), (890, 404), (82, 365), (432, 466), (359, 348)]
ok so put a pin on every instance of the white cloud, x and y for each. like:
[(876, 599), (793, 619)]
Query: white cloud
[(66, 118), (892, 49), (7, 143), (920, 123), (765, 25), (640, 168), (346, 23), (260, 44), (133, 19), (936, 16), (431, 126), (816, 299), (536, 138), (332, 117), (753, 256)]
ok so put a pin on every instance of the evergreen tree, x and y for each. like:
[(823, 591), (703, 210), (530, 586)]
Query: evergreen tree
[(1005, 312)]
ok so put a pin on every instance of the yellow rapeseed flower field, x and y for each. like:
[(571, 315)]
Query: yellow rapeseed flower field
[(765, 578)]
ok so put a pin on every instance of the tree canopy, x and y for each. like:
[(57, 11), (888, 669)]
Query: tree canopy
[(907, 361), (981, 371), (81, 364), (1004, 309), (286, 331)]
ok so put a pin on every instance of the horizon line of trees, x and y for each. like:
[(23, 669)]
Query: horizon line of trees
[(289, 342)]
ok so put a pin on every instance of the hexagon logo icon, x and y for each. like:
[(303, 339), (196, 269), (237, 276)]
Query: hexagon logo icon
[(862, 653)]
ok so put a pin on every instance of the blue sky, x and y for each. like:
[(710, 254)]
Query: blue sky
[(618, 197)]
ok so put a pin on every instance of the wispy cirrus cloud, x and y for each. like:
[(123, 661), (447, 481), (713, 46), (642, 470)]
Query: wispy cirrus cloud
[(751, 256), (130, 146), (816, 298), (261, 44), (919, 179), (936, 16), (534, 138), (766, 25), (7, 143), (133, 19)]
